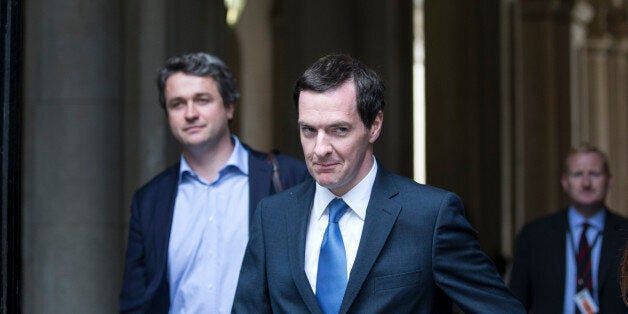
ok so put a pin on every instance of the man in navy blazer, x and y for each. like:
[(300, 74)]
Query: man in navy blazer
[(189, 224), (384, 244), (545, 273)]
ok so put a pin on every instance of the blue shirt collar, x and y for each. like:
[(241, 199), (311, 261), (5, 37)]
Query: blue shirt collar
[(238, 161), (576, 219)]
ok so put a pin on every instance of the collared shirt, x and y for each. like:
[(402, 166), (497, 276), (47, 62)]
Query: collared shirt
[(595, 230), (209, 234), (351, 223)]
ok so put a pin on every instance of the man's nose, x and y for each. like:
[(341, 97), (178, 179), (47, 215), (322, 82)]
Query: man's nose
[(190, 110), (323, 146), (586, 180)]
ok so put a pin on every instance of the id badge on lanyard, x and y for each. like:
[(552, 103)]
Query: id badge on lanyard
[(585, 302)]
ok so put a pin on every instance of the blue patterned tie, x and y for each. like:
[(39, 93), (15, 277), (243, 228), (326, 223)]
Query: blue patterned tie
[(331, 280)]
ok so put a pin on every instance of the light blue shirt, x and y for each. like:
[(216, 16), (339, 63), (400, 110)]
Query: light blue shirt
[(210, 230), (595, 230)]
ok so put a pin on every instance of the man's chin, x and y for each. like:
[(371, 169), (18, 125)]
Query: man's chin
[(589, 204), (326, 181)]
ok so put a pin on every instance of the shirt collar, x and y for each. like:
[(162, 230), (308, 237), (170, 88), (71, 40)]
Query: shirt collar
[(576, 219), (357, 198), (239, 159)]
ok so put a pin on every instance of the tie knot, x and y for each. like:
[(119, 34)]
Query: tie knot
[(585, 226), (337, 208)]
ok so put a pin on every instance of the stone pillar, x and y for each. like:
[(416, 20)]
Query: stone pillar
[(583, 14), (618, 103), (596, 113), (254, 34), (463, 109), (510, 98), (542, 120), (72, 147)]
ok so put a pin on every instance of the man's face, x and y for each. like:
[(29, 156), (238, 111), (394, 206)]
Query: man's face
[(336, 143), (586, 183), (196, 113)]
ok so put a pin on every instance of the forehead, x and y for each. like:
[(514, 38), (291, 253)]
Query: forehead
[(337, 103), (588, 160), (180, 82)]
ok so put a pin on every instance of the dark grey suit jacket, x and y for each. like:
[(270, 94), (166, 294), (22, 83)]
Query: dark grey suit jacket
[(538, 272), (417, 254)]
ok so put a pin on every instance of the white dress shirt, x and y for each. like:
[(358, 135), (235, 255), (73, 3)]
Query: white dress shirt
[(351, 223)]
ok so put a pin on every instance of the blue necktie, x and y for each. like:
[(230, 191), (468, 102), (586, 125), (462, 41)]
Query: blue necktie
[(331, 280)]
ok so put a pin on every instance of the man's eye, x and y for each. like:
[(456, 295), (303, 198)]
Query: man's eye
[(341, 130), (176, 104), (307, 130), (595, 174)]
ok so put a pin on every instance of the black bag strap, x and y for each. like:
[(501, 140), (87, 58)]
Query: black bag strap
[(270, 157)]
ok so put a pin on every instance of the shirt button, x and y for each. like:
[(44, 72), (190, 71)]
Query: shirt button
[(210, 286), (211, 253), (211, 218)]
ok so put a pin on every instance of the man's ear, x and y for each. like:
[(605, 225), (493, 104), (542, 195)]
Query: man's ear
[(376, 127), (230, 108), (564, 181)]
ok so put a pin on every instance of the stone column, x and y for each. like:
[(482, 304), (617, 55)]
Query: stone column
[(596, 112), (254, 34), (542, 120), (463, 109), (72, 147), (618, 106)]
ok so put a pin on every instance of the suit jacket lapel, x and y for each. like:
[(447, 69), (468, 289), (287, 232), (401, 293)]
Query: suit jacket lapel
[(260, 177), (297, 218), (381, 214), (162, 221)]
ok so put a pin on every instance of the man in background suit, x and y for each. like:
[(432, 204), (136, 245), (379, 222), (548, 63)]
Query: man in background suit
[(555, 259), (189, 225), (384, 244)]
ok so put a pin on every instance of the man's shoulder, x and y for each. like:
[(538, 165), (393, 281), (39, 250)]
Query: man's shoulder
[(291, 170), (293, 193), (549, 221), (163, 180), (616, 217), (408, 186), (283, 159), (616, 223)]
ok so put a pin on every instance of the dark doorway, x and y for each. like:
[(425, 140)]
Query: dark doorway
[(10, 76)]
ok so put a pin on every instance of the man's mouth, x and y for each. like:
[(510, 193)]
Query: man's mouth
[(192, 128)]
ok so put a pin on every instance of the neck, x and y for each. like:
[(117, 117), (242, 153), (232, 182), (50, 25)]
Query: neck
[(588, 211), (206, 161)]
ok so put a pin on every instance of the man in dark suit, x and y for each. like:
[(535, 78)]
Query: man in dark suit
[(573, 256), (384, 244), (189, 225)]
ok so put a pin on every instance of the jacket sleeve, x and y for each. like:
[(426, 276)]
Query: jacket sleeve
[(292, 171), (460, 267)]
